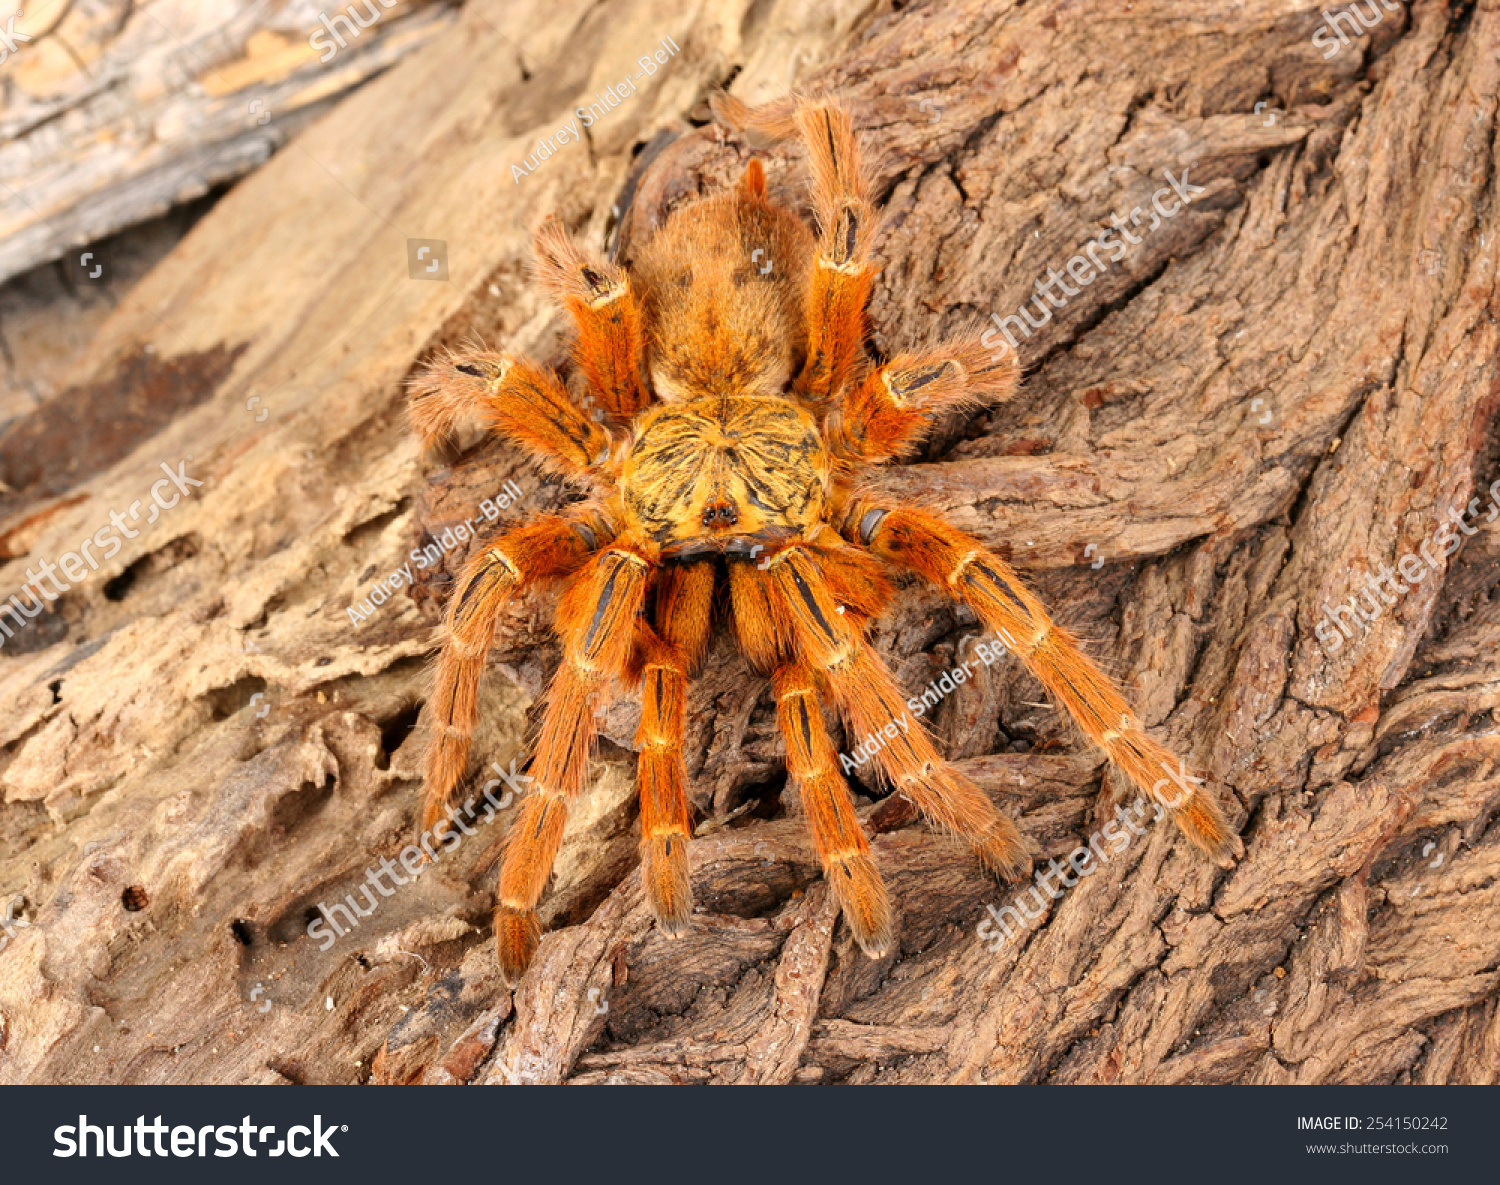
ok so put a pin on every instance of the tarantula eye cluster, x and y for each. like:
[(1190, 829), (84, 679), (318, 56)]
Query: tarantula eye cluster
[(752, 415), (720, 513)]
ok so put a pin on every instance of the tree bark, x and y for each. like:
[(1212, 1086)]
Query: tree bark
[(1284, 385)]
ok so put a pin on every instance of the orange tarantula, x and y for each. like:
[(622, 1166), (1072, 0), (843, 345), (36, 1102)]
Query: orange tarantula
[(741, 415)]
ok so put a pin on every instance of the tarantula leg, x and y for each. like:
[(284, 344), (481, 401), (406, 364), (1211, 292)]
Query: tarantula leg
[(661, 777), (771, 121), (596, 616), (754, 625), (684, 607), (606, 312), (684, 599), (848, 866), (842, 272), (807, 614), (515, 396), (975, 575), (889, 413), (543, 550)]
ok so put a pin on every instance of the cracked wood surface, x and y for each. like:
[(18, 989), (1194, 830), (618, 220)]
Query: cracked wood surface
[(199, 729)]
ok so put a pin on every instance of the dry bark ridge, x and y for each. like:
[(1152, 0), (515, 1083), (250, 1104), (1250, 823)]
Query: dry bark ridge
[(1338, 265)]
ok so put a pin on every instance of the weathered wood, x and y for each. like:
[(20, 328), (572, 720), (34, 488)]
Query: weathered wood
[(1338, 265), (116, 110)]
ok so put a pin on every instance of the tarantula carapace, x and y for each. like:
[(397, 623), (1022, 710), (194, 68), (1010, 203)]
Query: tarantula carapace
[(740, 416)]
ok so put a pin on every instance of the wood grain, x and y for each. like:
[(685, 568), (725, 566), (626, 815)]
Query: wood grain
[(116, 110)]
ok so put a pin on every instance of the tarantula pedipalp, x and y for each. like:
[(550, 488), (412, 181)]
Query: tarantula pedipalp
[(741, 413)]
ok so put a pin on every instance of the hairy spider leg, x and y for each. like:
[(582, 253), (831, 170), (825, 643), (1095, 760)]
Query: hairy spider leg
[(859, 584), (512, 395), (976, 576), (848, 866), (754, 624), (539, 552), (684, 598), (605, 310), (891, 411), (828, 641), (842, 274), (596, 618)]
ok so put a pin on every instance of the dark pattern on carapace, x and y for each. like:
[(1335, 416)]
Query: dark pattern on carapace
[(759, 459)]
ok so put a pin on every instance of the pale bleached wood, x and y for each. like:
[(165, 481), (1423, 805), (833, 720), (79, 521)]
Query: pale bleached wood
[(115, 110), (1339, 266)]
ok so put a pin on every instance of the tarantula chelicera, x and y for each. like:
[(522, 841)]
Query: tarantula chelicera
[(741, 416)]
